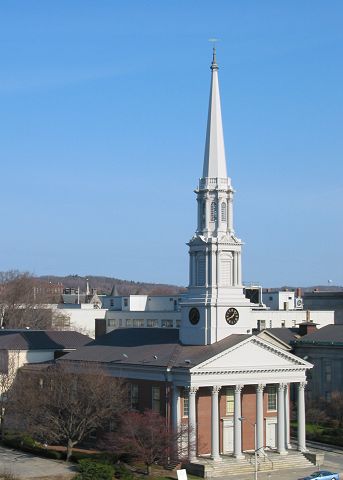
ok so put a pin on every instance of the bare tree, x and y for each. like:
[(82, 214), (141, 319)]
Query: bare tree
[(9, 361), (147, 438), (64, 402), (24, 301)]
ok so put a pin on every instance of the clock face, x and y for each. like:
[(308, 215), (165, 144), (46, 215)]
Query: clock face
[(194, 316), (232, 316)]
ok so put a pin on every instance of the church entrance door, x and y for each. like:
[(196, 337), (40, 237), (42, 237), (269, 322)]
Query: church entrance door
[(227, 435), (271, 432)]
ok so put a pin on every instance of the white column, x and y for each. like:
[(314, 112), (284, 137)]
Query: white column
[(215, 422), (259, 417), (237, 433), (287, 420), (192, 433), (301, 417), (239, 268), (281, 419), (235, 270), (175, 409)]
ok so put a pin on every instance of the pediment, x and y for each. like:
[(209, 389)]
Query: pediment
[(252, 354)]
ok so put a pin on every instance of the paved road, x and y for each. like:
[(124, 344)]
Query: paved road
[(27, 466)]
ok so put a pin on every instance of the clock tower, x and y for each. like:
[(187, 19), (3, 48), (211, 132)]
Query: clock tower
[(215, 306)]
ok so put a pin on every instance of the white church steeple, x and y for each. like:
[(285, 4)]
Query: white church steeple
[(214, 160), (215, 305)]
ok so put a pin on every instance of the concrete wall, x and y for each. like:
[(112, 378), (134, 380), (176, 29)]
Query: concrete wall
[(82, 319), (290, 318)]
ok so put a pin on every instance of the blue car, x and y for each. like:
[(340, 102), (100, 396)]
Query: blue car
[(322, 475)]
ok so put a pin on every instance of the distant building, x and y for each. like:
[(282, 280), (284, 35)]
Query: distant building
[(325, 300), (324, 349)]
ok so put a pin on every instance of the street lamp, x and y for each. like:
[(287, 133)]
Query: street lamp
[(255, 442)]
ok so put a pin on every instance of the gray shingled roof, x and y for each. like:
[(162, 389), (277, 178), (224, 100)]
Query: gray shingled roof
[(149, 346), (41, 339), (328, 335)]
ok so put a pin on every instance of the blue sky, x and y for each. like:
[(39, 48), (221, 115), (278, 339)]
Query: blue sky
[(103, 109)]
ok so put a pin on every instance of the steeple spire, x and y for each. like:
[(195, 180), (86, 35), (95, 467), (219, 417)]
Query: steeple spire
[(214, 160)]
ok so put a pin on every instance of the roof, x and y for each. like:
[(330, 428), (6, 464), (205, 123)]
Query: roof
[(150, 347), (328, 335), (41, 340), (286, 335)]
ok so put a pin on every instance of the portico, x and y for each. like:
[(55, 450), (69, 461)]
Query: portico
[(226, 402)]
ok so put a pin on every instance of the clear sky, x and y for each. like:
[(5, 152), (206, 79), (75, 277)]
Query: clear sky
[(103, 108)]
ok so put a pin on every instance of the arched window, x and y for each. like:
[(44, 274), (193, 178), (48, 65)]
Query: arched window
[(213, 212), (203, 214), (223, 212)]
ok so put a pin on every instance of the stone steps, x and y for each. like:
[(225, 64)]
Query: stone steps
[(229, 465)]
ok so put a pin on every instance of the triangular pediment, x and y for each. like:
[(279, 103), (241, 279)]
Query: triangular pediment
[(253, 353)]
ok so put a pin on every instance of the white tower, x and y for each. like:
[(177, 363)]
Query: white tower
[(215, 306)]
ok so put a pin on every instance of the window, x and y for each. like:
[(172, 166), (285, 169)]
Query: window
[(230, 401), (261, 324), (156, 399), (167, 323), (152, 323), (294, 322), (134, 396), (112, 322), (185, 405), (272, 398), (283, 323), (138, 323), (223, 212), (129, 322), (327, 371), (203, 214), (112, 302), (270, 324), (178, 323), (126, 302), (213, 212), (120, 322), (270, 299)]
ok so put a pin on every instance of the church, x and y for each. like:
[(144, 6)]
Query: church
[(232, 388)]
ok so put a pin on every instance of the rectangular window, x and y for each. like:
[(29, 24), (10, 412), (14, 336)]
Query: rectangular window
[(185, 406), (283, 323), (167, 323), (152, 323), (112, 322), (178, 323), (134, 396), (137, 322), (327, 371), (156, 399), (270, 324), (272, 398), (126, 302), (129, 322), (230, 401), (261, 324)]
